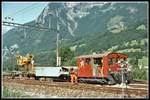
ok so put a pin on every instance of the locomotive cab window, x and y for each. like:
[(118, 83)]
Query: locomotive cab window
[(98, 61), (112, 61), (87, 60)]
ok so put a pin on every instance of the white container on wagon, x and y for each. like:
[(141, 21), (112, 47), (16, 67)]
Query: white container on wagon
[(47, 71)]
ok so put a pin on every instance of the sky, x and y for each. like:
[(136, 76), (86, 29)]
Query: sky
[(21, 12)]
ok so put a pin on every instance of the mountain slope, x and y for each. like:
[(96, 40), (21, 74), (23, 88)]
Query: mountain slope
[(85, 27)]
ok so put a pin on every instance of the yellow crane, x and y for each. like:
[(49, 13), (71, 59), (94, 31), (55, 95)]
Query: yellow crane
[(25, 63)]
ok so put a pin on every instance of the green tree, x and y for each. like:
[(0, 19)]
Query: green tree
[(67, 56)]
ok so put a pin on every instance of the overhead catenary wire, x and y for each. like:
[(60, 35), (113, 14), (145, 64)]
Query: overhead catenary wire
[(29, 10), (12, 14), (32, 9), (12, 24), (28, 26)]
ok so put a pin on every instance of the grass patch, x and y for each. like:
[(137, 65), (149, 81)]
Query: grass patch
[(12, 93)]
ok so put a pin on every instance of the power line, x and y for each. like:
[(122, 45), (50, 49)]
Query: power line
[(33, 8), (28, 26), (20, 10)]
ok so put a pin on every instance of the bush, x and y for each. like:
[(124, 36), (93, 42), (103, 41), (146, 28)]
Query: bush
[(66, 55), (139, 74)]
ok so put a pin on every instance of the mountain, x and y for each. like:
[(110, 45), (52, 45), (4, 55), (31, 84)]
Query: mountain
[(85, 28)]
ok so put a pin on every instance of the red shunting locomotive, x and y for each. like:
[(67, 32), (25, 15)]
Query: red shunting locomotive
[(107, 68)]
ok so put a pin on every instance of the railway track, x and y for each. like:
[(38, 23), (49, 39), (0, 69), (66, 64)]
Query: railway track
[(139, 90)]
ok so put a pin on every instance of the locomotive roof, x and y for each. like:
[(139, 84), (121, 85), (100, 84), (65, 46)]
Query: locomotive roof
[(99, 55)]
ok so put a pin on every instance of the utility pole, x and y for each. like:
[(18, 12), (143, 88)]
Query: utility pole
[(49, 22), (57, 52), (57, 42)]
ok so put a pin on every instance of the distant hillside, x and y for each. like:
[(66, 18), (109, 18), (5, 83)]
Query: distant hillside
[(86, 28)]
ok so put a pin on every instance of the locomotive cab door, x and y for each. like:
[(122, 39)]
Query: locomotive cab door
[(97, 64)]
